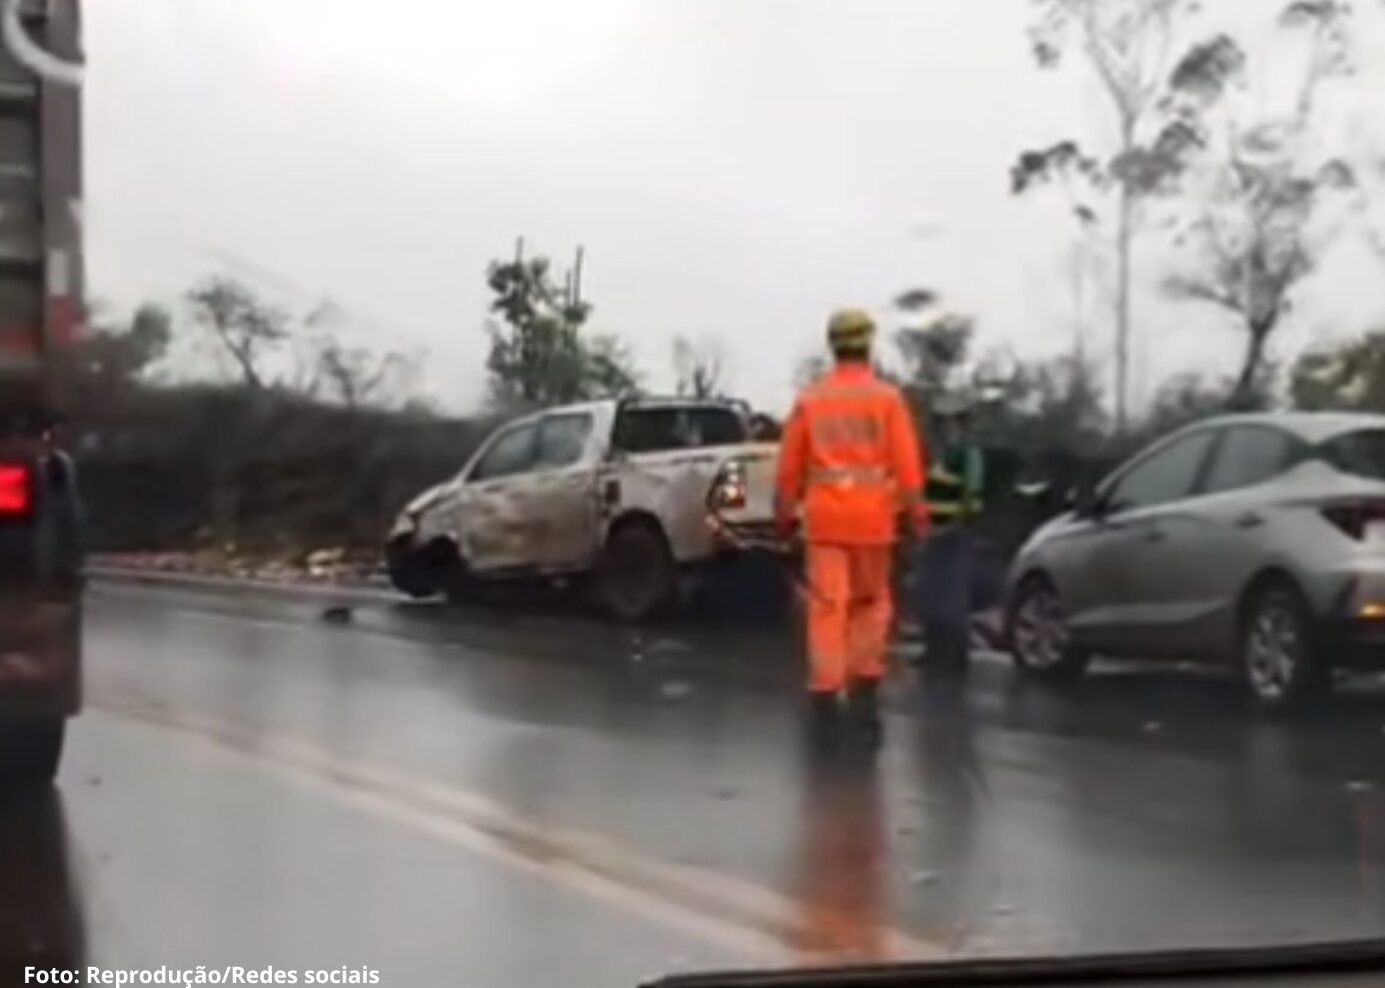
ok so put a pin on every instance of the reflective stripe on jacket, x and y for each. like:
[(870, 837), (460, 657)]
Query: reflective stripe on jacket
[(958, 491), (851, 456)]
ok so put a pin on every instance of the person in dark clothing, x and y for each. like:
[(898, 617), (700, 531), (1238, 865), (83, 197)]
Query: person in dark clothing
[(955, 493)]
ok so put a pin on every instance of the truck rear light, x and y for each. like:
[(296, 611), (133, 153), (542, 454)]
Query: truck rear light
[(1361, 520), (16, 490), (730, 496), (728, 491)]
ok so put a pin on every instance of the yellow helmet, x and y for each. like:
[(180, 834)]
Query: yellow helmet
[(850, 329)]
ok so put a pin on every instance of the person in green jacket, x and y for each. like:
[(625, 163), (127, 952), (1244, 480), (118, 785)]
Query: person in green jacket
[(956, 497)]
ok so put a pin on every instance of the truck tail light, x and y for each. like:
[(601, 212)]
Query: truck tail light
[(728, 491), (16, 490)]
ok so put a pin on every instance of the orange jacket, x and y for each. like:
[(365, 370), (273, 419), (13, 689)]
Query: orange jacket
[(852, 457)]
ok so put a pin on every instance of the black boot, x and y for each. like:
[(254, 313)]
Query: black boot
[(963, 652), (935, 647), (824, 715), (864, 702)]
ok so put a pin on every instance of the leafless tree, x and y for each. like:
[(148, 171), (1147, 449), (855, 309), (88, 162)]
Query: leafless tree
[(353, 375), (249, 329)]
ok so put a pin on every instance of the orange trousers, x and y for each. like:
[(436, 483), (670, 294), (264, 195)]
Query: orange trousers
[(849, 613)]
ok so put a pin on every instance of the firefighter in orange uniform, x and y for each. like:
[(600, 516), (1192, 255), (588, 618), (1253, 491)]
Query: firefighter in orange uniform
[(850, 458)]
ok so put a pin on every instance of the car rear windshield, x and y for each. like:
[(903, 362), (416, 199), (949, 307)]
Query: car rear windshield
[(1361, 453), (656, 430)]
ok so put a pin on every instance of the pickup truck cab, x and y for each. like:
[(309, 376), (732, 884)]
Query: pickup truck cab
[(614, 489), (40, 608)]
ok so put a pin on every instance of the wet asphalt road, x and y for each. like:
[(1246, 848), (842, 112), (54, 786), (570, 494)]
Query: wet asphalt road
[(513, 797)]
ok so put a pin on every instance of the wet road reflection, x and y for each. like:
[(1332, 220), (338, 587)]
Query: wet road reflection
[(41, 919), (844, 856), (947, 881), (1145, 808), (1368, 809)]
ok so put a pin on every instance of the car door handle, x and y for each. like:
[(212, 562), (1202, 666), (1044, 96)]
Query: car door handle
[(1154, 535), (1250, 520)]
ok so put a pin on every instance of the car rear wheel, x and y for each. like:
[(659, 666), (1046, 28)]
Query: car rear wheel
[(1280, 661), (30, 751), (1037, 631), (636, 576)]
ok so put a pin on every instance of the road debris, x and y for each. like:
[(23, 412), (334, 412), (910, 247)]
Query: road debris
[(338, 615)]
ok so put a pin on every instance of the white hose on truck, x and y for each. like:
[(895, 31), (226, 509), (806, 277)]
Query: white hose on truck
[(37, 60)]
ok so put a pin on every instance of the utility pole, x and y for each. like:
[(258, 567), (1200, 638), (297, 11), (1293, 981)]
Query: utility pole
[(1124, 249), (572, 289), (577, 276)]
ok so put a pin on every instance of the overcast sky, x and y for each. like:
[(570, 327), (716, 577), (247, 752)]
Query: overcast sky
[(733, 167)]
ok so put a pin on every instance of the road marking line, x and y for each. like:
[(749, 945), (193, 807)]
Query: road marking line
[(745, 917), (121, 578), (341, 788)]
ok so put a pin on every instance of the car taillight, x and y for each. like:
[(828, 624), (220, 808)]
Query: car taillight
[(1357, 517), (728, 491), (16, 490)]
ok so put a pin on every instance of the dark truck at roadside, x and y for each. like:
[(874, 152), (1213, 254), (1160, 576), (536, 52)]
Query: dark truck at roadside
[(41, 311), (41, 563)]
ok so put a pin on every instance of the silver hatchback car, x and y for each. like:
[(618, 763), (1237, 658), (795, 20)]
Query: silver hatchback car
[(1257, 541)]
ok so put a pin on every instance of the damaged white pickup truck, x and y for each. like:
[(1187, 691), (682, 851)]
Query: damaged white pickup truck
[(617, 490)]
